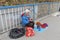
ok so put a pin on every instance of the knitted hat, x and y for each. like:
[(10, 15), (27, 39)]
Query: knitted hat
[(27, 10)]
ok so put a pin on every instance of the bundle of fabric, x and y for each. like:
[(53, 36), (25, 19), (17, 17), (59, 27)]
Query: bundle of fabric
[(29, 32), (44, 25), (17, 33)]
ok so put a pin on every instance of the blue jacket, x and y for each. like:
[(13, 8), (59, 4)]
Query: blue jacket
[(25, 20)]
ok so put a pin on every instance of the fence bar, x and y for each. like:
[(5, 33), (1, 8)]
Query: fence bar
[(16, 16), (13, 18), (19, 16), (9, 19), (6, 20), (2, 23)]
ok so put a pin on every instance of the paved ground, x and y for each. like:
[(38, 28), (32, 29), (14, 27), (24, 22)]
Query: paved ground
[(52, 33)]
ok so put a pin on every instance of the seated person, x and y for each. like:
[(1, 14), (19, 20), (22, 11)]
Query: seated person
[(26, 19)]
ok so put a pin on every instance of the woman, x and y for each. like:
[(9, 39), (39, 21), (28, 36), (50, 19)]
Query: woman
[(26, 19)]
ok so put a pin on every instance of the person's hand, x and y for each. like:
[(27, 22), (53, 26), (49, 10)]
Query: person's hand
[(30, 19)]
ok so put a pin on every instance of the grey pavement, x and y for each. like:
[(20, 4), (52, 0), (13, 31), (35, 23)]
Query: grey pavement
[(52, 33)]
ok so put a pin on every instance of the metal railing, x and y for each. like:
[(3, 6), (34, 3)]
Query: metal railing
[(10, 16)]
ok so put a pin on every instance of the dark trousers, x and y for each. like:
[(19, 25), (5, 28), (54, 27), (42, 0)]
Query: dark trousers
[(30, 24)]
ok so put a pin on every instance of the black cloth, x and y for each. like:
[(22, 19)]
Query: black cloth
[(30, 24), (16, 33)]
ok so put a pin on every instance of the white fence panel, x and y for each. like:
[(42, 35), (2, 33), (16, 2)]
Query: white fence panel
[(10, 16)]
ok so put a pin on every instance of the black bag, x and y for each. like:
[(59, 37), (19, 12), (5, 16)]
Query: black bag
[(17, 33)]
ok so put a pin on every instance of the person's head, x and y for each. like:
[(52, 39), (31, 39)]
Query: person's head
[(27, 12)]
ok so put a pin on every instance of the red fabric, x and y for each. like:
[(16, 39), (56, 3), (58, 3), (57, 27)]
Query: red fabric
[(43, 26), (22, 14), (29, 32)]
